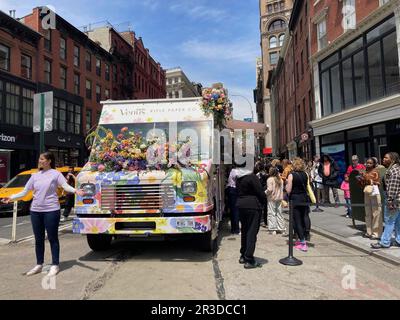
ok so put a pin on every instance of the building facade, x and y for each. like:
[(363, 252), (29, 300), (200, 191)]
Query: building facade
[(19, 71), (274, 18), (355, 49), (291, 87), (179, 86), (78, 70), (149, 75)]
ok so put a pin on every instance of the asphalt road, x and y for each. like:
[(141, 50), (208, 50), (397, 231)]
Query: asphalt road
[(152, 270), (23, 230)]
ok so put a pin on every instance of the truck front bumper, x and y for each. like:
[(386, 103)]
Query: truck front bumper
[(142, 226)]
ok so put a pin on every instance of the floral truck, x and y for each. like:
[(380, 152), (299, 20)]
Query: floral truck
[(151, 171)]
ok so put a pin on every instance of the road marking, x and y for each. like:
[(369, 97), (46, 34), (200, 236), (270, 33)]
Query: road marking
[(18, 224), (32, 236)]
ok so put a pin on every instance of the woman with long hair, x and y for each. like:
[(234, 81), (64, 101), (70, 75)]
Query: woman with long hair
[(276, 222), (370, 181), (297, 190), (45, 209)]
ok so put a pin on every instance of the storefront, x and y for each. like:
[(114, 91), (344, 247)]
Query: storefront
[(371, 140), (17, 152), (69, 150)]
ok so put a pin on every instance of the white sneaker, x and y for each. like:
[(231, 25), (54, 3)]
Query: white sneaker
[(63, 219), (53, 271), (37, 269)]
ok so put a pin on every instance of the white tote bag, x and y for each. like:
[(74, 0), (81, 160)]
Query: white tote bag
[(375, 191)]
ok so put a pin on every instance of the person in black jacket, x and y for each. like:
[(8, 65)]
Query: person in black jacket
[(251, 201), (329, 171)]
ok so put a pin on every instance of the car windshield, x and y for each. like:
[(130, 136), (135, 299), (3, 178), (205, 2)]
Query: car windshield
[(198, 132), (18, 181)]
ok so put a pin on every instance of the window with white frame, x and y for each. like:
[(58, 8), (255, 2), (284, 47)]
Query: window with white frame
[(273, 42), (349, 15), (322, 36)]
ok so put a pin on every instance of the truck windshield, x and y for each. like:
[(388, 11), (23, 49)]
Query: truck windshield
[(199, 133)]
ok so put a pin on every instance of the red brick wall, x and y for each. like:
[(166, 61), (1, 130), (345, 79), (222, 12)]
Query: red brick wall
[(335, 16), (33, 21)]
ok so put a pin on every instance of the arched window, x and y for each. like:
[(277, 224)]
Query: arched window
[(277, 25), (272, 42), (281, 39)]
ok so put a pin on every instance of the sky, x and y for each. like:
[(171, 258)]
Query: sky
[(211, 40)]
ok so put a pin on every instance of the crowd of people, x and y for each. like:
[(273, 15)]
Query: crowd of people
[(257, 197)]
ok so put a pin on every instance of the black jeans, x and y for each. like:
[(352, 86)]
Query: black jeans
[(301, 218), (250, 220), (48, 221), (232, 194)]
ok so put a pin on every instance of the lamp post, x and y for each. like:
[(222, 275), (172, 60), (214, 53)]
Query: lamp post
[(251, 107)]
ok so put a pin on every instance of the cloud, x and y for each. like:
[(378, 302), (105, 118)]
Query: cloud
[(239, 52), (199, 12)]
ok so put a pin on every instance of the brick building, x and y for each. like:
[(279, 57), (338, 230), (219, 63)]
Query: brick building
[(355, 49), (179, 85), (274, 18), (291, 85), (149, 75), (19, 47), (79, 71)]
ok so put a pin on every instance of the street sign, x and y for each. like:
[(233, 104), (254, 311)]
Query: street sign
[(248, 119), (48, 111)]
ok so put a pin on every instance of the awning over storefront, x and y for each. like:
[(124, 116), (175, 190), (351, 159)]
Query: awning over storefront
[(259, 128)]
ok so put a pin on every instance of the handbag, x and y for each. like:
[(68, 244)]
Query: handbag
[(309, 193), (375, 191), (369, 189)]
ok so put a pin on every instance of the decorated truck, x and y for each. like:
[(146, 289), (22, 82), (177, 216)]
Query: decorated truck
[(151, 171)]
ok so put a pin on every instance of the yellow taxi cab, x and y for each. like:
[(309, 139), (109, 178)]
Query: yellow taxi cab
[(17, 184)]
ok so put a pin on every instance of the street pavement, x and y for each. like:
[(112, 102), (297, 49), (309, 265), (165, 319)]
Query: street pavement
[(178, 270)]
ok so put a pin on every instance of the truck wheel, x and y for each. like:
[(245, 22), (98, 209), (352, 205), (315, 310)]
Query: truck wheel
[(206, 242), (99, 242)]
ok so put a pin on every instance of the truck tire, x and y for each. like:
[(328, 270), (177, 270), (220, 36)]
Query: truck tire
[(99, 242)]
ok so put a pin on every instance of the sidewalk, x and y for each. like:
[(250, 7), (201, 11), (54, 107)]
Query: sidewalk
[(333, 224)]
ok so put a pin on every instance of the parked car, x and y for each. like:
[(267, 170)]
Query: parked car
[(17, 184)]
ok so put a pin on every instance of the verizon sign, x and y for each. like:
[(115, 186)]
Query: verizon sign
[(6, 138)]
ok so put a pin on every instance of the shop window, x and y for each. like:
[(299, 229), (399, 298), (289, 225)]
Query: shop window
[(359, 133), (375, 71), (332, 138), (379, 129)]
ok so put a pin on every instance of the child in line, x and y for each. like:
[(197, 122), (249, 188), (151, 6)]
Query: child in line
[(346, 188)]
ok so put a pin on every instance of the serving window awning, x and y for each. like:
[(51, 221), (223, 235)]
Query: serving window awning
[(259, 128)]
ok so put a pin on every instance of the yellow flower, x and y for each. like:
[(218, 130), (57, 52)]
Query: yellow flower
[(177, 178)]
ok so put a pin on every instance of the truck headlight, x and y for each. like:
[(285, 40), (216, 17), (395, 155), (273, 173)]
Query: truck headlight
[(89, 189), (189, 187)]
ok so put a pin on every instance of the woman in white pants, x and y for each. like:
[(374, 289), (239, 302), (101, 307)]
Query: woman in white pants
[(276, 222)]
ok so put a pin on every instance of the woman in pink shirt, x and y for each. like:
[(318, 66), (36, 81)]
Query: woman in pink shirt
[(45, 209)]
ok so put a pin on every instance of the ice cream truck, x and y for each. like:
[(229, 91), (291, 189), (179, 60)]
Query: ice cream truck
[(151, 173)]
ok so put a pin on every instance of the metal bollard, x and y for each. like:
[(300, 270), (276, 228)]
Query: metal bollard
[(290, 260), (14, 224)]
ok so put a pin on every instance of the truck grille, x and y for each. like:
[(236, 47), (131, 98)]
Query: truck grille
[(137, 197)]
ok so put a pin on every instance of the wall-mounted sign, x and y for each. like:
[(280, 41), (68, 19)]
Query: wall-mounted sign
[(6, 138)]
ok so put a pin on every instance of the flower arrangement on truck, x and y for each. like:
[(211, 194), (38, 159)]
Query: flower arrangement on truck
[(151, 171)]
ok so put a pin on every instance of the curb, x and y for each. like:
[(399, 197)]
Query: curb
[(344, 241)]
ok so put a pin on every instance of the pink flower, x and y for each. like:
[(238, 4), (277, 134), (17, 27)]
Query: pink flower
[(124, 129), (101, 167)]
